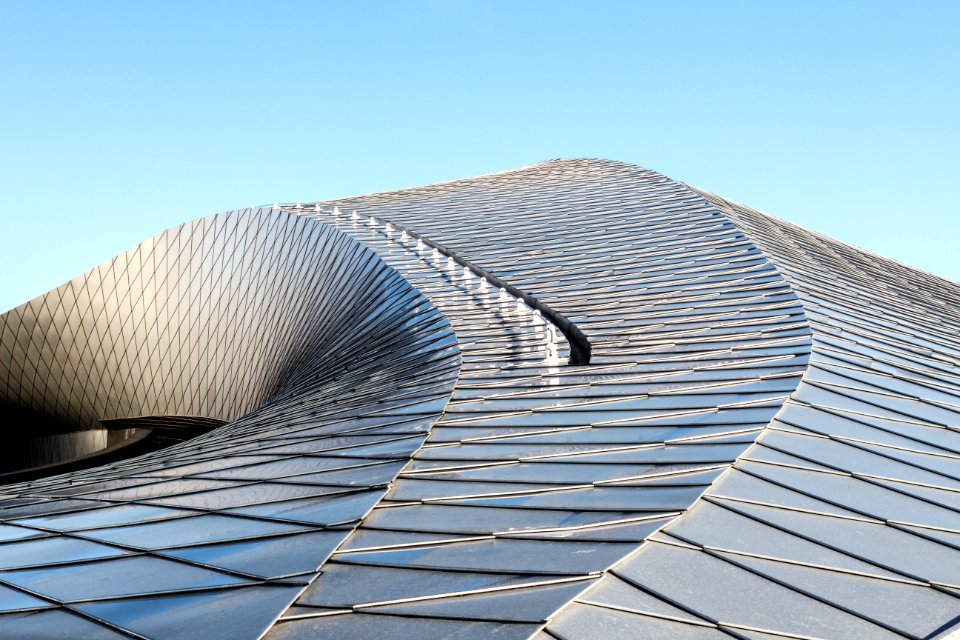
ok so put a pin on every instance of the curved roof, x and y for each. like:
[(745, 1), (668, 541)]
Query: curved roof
[(763, 445)]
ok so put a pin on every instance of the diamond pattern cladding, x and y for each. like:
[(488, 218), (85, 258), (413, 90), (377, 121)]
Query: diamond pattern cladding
[(329, 368)]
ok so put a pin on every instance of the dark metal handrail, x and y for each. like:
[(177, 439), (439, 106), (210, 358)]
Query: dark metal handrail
[(580, 349)]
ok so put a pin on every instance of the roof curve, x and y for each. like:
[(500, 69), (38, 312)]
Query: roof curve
[(763, 445)]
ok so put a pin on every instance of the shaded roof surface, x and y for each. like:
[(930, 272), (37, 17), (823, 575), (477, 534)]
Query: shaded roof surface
[(764, 445)]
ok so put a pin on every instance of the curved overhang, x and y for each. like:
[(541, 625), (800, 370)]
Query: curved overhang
[(765, 432)]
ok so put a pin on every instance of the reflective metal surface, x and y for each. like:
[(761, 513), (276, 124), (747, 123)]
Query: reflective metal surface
[(329, 368), (763, 445)]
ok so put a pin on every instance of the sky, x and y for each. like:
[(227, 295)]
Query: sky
[(121, 119)]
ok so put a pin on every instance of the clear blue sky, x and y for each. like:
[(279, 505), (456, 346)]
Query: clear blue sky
[(120, 119)]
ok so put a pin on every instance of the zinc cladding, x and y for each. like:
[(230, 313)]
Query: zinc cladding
[(538, 479), (330, 367), (764, 444), (845, 512), (842, 521)]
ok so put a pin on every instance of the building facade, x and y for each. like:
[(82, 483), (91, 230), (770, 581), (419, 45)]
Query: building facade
[(576, 400)]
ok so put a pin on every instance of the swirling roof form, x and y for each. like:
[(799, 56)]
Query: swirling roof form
[(573, 401)]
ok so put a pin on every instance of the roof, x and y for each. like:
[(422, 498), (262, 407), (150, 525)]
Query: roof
[(764, 443)]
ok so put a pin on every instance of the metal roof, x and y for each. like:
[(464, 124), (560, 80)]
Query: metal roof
[(764, 443)]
